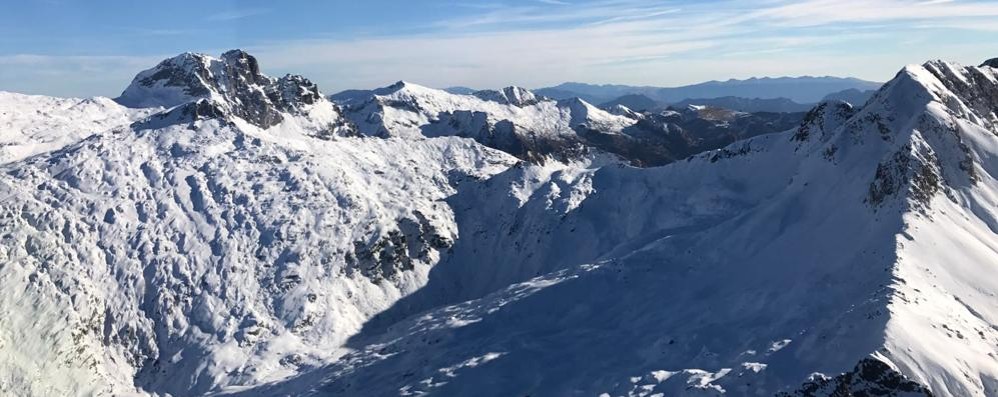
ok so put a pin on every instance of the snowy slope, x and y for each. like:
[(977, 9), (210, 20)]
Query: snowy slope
[(250, 237), (216, 254), (943, 329), (32, 124)]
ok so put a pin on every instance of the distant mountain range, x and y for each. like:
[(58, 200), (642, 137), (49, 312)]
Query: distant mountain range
[(640, 103), (635, 102), (780, 95), (804, 89)]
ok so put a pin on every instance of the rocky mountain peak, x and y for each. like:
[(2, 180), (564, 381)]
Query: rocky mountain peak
[(512, 95), (172, 82), (294, 90), (233, 82), (993, 62)]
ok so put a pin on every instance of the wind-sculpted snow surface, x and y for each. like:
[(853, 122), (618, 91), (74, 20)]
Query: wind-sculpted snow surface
[(211, 255), (193, 249)]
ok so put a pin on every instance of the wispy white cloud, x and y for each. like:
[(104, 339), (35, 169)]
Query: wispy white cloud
[(770, 13), (648, 42), (823, 12), (74, 61), (639, 41), (233, 15)]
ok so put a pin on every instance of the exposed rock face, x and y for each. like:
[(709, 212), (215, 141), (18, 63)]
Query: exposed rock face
[(174, 81), (821, 121), (930, 152), (233, 82), (516, 96), (292, 91), (993, 62), (871, 377)]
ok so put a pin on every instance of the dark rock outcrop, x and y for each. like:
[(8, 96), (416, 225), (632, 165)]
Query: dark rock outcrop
[(871, 377)]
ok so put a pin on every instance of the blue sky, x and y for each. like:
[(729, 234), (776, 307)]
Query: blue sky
[(85, 48)]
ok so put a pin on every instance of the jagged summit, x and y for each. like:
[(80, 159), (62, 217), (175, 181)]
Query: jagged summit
[(512, 95), (172, 82), (233, 83)]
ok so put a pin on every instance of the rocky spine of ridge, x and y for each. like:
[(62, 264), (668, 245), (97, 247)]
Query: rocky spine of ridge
[(930, 150)]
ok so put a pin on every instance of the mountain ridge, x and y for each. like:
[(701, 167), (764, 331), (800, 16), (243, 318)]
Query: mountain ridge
[(892, 170)]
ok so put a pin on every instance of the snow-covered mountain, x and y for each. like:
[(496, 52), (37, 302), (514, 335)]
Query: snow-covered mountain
[(219, 231), (511, 119), (539, 129), (851, 252), (195, 248)]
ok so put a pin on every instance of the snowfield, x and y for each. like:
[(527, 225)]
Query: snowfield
[(246, 236), (32, 124)]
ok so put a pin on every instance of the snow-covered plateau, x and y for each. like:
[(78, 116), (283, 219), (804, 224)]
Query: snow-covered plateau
[(216, 231)]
